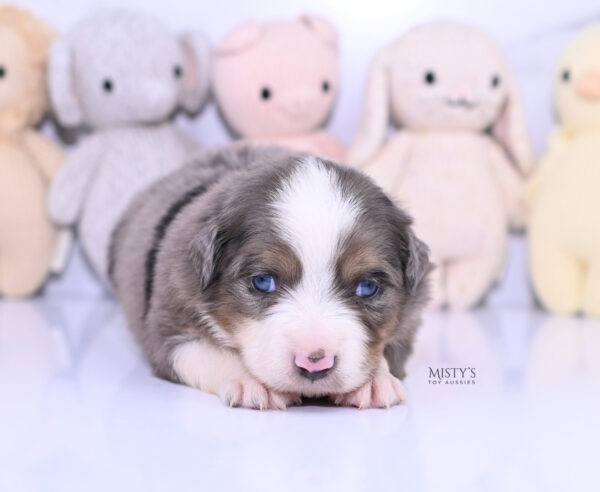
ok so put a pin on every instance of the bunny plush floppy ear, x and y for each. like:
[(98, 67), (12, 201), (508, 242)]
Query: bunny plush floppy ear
[(196, 71), (61, 84), (376, 112), (510, 128)]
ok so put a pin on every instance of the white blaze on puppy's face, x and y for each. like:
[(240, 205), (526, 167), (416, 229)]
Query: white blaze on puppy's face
[(313, 217)]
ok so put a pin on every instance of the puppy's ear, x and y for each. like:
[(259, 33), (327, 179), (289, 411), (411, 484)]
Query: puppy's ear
[(417, 264), (206, 250), (414, 253)]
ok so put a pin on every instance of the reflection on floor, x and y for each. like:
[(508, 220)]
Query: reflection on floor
[(81, 412)]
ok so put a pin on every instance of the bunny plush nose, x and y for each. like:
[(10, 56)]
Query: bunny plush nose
[(315, 365), (588, 85), (299, 104)]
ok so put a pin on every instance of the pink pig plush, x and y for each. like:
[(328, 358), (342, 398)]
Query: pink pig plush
[(276, 83)]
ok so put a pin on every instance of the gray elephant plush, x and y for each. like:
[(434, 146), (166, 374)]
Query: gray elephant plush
[(121, 74)]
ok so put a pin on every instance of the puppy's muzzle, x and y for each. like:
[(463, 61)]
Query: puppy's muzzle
[(315, 365)]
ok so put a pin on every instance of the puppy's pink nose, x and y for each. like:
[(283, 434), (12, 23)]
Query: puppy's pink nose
[(315, 361)]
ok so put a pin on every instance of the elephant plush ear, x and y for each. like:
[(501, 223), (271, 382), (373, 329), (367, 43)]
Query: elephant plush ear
[(196, 71), (321, 27), (240, 38), (61, 83)]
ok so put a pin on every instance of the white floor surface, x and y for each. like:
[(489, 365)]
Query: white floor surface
[(80, 411)]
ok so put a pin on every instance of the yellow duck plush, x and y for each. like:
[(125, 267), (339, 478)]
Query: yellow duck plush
[(28, 161), (564, 194)]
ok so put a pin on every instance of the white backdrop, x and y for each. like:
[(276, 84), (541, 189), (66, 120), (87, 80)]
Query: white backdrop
[(532, 33)]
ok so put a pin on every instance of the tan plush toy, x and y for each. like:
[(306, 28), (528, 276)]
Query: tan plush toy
[(564, 194), (27, 160)]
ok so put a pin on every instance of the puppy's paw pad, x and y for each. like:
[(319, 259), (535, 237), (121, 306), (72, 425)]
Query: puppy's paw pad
[(383, 391)]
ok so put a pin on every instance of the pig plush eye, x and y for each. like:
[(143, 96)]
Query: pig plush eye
[(264, 283), (265, 93), (177, 71), (325, 86), (366, 288), (565, 75), (2, 72), (495, 81)]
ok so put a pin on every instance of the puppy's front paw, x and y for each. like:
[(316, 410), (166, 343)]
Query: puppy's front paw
[(247, 392), (383, 391)]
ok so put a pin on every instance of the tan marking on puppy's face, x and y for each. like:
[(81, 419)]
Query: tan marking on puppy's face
[(363, 259), (235, 297)]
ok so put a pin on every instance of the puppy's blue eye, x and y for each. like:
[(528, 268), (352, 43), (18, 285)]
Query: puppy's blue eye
[(264, 283), (366, 288)]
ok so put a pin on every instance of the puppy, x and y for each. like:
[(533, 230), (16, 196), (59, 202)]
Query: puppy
[(263, 277)]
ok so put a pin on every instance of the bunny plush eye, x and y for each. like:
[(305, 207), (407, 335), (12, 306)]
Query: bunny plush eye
[(565, 75), (496, 81), (2, 72), (429, 77)]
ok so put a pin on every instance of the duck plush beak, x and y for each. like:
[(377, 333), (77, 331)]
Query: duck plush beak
[(588, 85)]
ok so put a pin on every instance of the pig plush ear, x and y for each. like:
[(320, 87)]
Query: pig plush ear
[(375, 114), (321, 27), (196, 71), (510, 128), (61, 84), (240, 38)]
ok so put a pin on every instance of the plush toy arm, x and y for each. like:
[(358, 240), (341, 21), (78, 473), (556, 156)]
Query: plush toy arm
[(387, 166), (47, 156), (558, 142), (511, 185), (69, 187)]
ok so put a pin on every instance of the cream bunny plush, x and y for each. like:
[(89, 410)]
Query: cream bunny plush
[(563, 195), (27, 160), (122, 74), (277, 82), (457, 158)]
